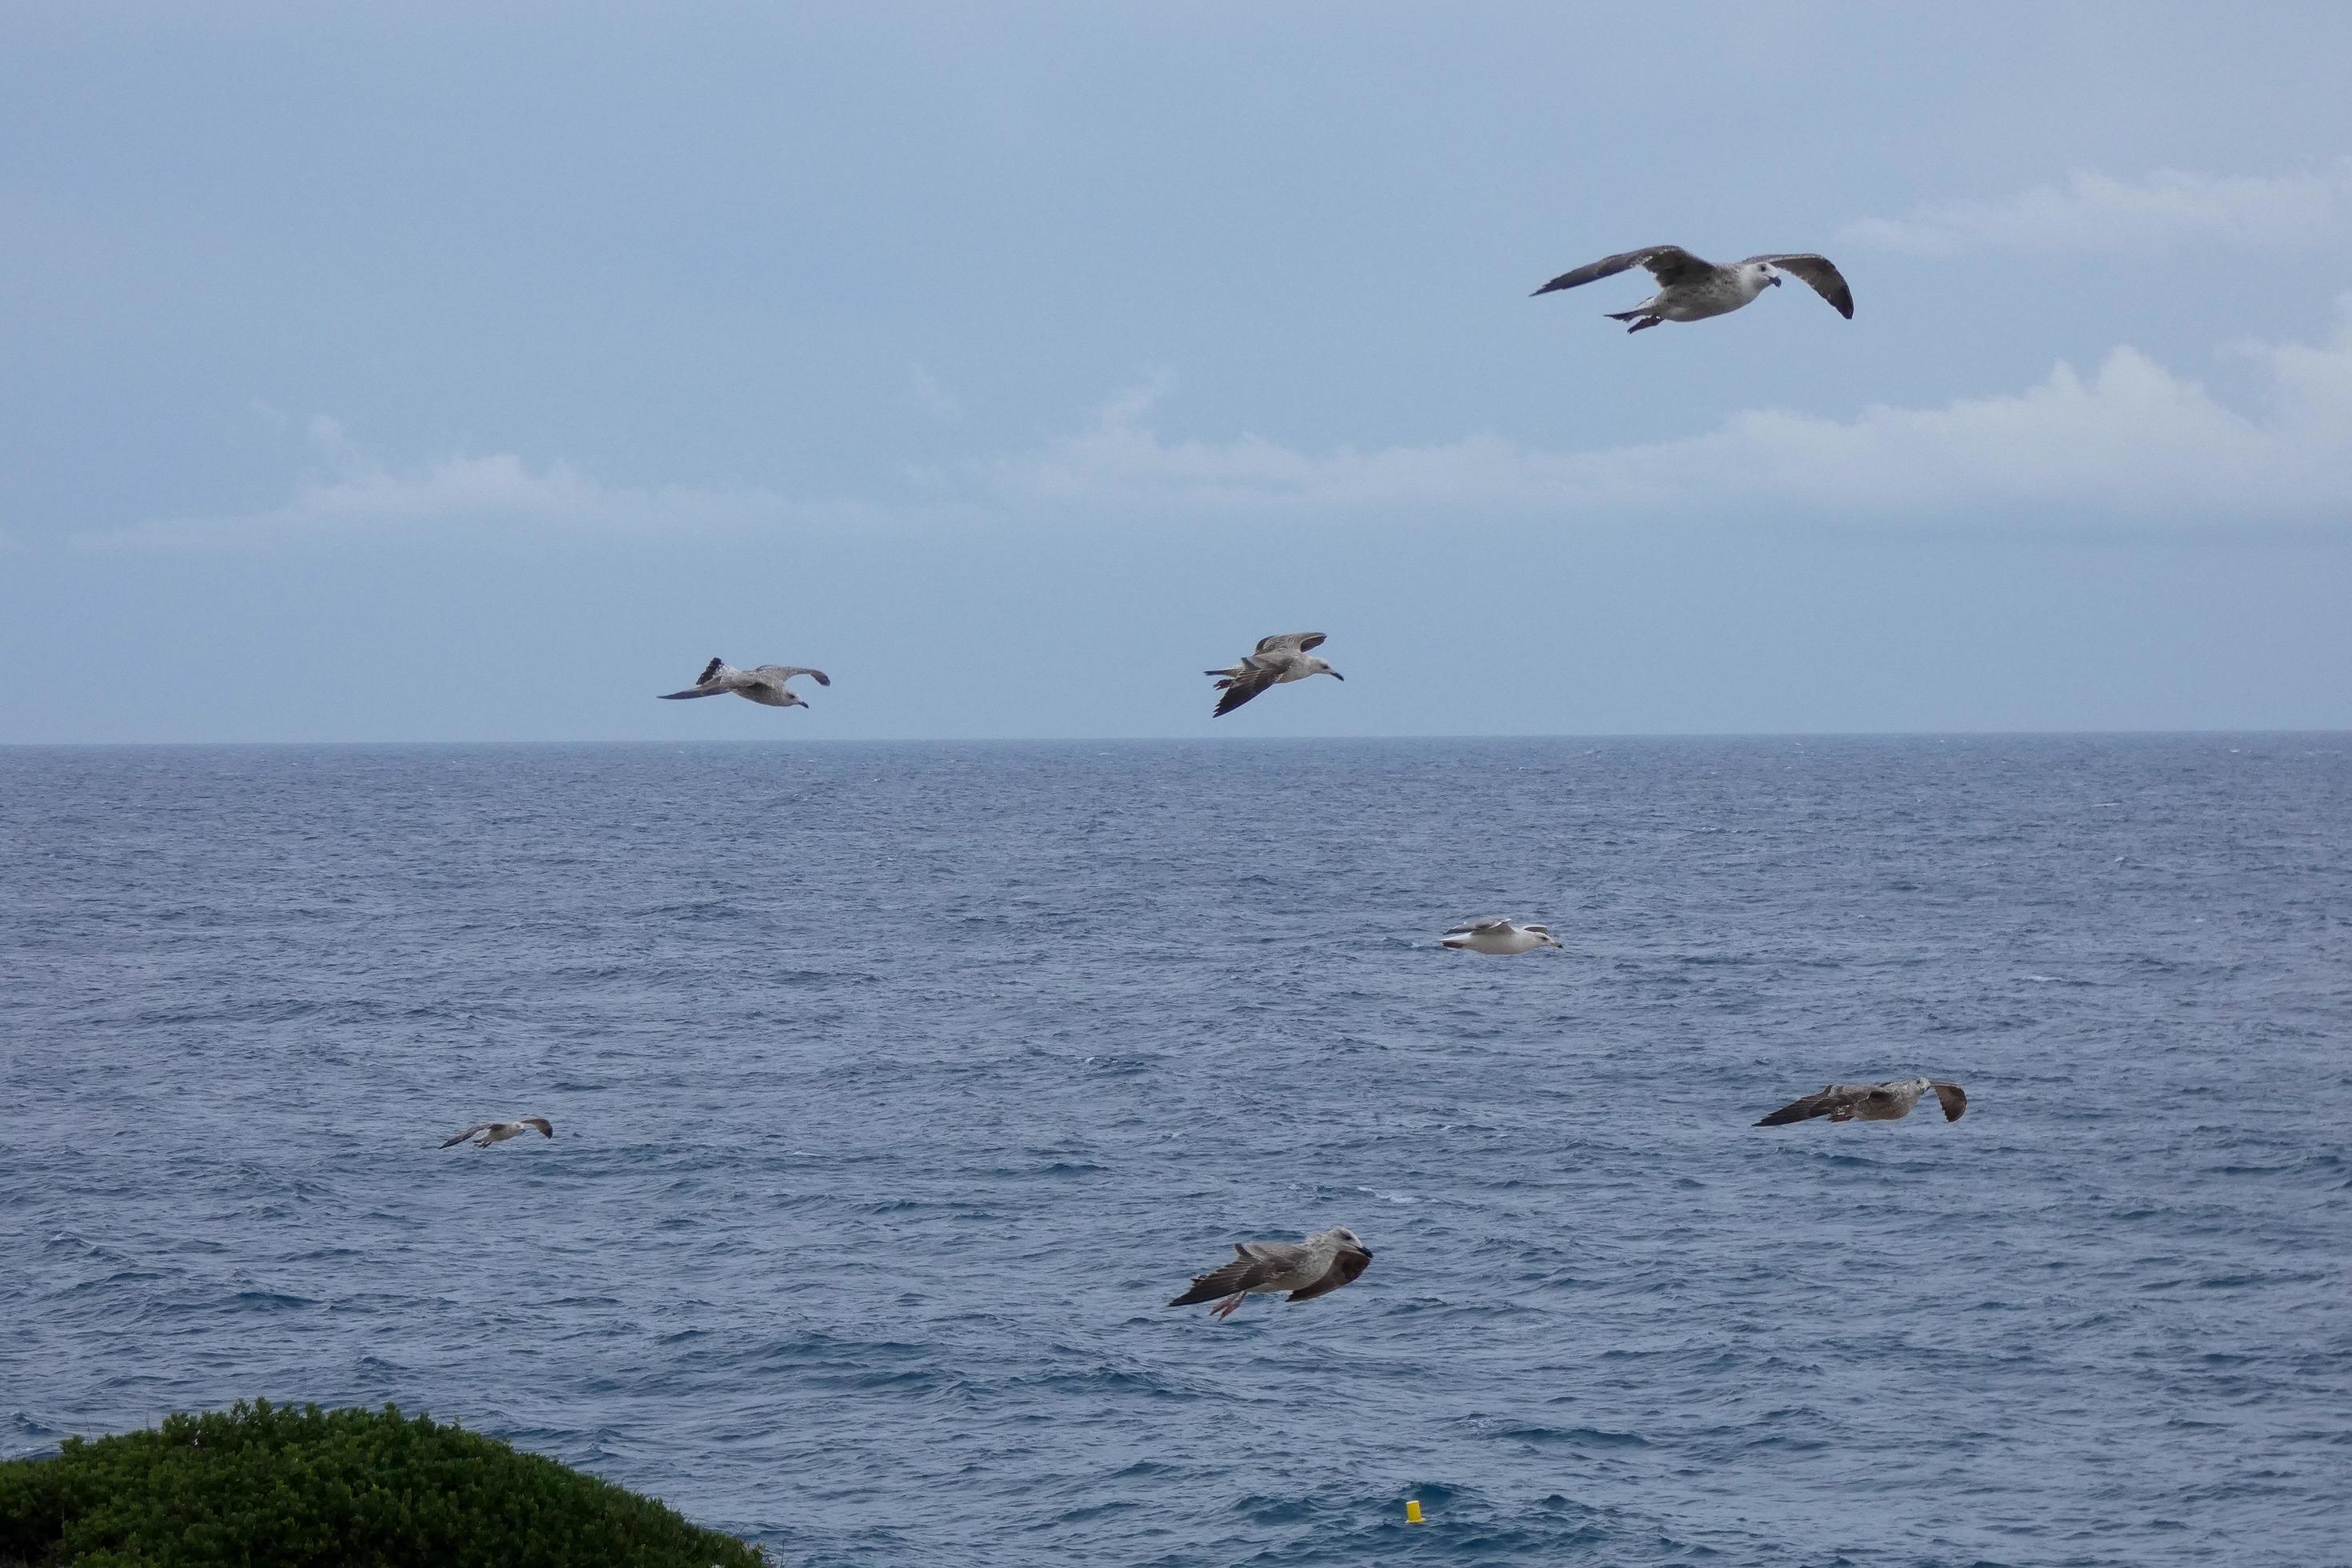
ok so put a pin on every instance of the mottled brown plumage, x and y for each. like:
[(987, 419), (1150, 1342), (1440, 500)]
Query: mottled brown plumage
[(500, 1131), (1870, 1102), (1330, 1259)]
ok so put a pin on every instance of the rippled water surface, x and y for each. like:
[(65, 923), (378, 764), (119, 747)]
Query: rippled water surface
[(896, 1087)]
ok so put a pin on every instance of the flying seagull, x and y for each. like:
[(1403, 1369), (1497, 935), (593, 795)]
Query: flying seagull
[(1498, 936), (1690, 289), (1275, 660), (500, 1131), (1330, 1259), (1871, 1103), (762, 683)]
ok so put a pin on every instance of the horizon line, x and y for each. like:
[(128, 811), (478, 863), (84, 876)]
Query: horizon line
[(1206, 740)]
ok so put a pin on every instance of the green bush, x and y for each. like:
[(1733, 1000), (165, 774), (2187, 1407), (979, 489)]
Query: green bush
[(258, 1486)]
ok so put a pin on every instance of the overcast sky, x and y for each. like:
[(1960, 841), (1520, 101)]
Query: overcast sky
[(395, 372)]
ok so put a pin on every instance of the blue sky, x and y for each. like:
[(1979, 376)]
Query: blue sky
[(405, 372)]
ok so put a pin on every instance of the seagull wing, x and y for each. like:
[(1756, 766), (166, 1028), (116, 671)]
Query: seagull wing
[(1830, 1099), (1669, 264), (546, 1128), (1492, 922), (1345, 1267), (1952, 1098), (1821, 273), (1254, 1263), (1290, 642), (777, 674), (1250, 676), (469, 1132)]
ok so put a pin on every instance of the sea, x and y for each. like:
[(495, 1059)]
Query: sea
[(897, 1087)]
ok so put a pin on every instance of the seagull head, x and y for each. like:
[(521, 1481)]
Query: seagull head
[(1771, 273), (1348, 1239), (1323, 668)]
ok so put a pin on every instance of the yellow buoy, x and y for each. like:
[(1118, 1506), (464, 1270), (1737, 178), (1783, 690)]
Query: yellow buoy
[(1413, 1510)]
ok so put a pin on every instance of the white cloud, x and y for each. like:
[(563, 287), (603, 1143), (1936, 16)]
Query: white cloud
[(2095, 211), (2130, 440)]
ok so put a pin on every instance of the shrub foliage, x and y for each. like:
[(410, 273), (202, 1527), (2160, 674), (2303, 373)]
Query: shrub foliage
[(264, 1485)]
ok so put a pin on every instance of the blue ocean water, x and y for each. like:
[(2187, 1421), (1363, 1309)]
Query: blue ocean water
[(896, 1087)]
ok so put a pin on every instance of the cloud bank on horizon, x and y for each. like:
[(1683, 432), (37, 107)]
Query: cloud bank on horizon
[(2132, 441), (2129, 442)]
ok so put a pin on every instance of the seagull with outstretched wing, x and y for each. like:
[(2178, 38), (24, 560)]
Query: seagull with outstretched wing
[(1870, 1102), (500, 1131), (1498, 936), (1287, 656), (1328, 1259), (762, 683), (1690, 289)]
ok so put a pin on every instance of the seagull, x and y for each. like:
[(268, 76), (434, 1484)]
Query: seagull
[(1871, 1103), (500, 1131), (761, 683), (1498, 936), (1276, 659), (1330, 1259), (1690, 289)]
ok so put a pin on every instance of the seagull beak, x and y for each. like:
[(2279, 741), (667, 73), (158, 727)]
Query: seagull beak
[(1776, 281), (1335, 675)]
